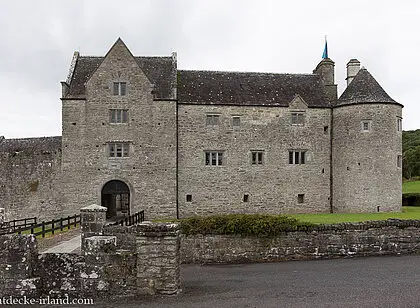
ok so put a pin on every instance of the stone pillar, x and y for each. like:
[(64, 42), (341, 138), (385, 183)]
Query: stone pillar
[(158, 258), (1, 216), (19, 263), (92, 221)]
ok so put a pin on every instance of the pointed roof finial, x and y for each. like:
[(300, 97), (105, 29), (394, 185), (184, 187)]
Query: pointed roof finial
[(325, 54)]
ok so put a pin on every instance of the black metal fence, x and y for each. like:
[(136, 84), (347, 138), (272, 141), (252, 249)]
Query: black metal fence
[(131, 220), (43, 227)]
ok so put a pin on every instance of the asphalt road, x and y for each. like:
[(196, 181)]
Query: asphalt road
[(359, 282)]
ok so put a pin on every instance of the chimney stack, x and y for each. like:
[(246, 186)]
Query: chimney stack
[(353, 68)]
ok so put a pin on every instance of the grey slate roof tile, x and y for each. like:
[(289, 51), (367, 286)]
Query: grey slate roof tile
[(31, 145), (364, 89), (159, 70), (243, 88)]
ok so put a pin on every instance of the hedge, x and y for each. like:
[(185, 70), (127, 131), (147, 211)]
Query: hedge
[(242, 224), (411, 199)]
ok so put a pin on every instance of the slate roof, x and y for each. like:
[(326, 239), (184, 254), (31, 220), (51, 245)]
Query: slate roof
[(31, 145), (240, 88), (159, 70), (364, 89)]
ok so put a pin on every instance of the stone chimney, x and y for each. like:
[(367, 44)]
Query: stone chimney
[(325, 69), (353, 68)]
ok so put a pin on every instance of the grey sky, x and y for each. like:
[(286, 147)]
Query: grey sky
[(39, 38)]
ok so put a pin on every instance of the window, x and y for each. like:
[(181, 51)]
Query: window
[(189, 198), (399, 124), (297, 118), (301, 198), (236, 121), (399, 161), (214, 158), (118, 115), (246, 198), (212, 119), (118, 149), (297, 157), (257, 157), (366, 125), (120, 88)]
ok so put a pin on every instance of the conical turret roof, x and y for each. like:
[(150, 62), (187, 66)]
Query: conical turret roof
[(364, 89)]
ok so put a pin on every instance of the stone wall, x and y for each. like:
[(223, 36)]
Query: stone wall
[(366, 177), (272, 187), (323, 242), (105, 270), (30, 178)]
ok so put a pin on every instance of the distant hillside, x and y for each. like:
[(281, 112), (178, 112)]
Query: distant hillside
[(411, 153)]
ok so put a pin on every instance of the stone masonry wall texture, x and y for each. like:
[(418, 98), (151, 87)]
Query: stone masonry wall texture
[(346, 169)]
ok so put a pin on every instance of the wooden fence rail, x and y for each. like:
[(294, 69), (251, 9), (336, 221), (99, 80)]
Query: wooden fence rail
[(13, 225), (47, 226)]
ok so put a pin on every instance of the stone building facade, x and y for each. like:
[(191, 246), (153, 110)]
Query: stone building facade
[(137, 133)]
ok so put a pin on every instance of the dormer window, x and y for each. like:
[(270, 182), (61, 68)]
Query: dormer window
[(298, 118), (120, 88)]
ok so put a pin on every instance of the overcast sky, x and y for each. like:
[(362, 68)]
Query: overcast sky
[(38, 39)]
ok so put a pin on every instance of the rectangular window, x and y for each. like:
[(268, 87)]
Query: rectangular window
[(189, 198), (301, 198), (246, 198), (366, 125), (236, 121), (257, 157), (118, 116), (212, 119), (214, 158), (399, 124), (118, 149), (399, 161), (120, 88), (297, 157), (297, 118)]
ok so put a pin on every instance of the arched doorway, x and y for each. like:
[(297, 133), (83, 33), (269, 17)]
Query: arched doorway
[(115, 196)]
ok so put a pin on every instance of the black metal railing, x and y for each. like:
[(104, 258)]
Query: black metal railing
[(131, 220)]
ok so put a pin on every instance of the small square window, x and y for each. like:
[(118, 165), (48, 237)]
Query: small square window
[(236, 121), (399, 161), (245, 198), (366, 126), (120, 88), (257, 157), (212, 119), (189, 198), (297, 118), (301, 198), (118, 149)]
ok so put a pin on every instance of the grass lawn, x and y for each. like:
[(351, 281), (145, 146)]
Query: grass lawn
[(49, 234), (411, 187), (409, 212)]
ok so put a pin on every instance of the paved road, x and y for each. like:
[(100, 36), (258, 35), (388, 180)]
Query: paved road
[(71, 245), (360, 282)]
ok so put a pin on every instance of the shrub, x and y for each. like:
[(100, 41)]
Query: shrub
[(411, 199), (242, 224)]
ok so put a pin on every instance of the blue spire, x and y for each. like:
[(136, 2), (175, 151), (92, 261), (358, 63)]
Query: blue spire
[(325, 54)]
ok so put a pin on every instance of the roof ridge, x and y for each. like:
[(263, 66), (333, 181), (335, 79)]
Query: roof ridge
[(250, 72)]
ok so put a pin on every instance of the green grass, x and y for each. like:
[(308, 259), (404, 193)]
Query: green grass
[(411, 187), (409, 212), (49, 234)]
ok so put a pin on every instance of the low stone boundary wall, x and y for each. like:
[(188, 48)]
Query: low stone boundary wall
[(390, 237), (108, 267)]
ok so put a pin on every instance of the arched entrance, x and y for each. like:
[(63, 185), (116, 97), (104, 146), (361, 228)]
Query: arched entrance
[(115, 196)]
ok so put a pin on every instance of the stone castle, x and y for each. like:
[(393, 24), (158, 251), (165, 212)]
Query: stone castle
[(137, 133)]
